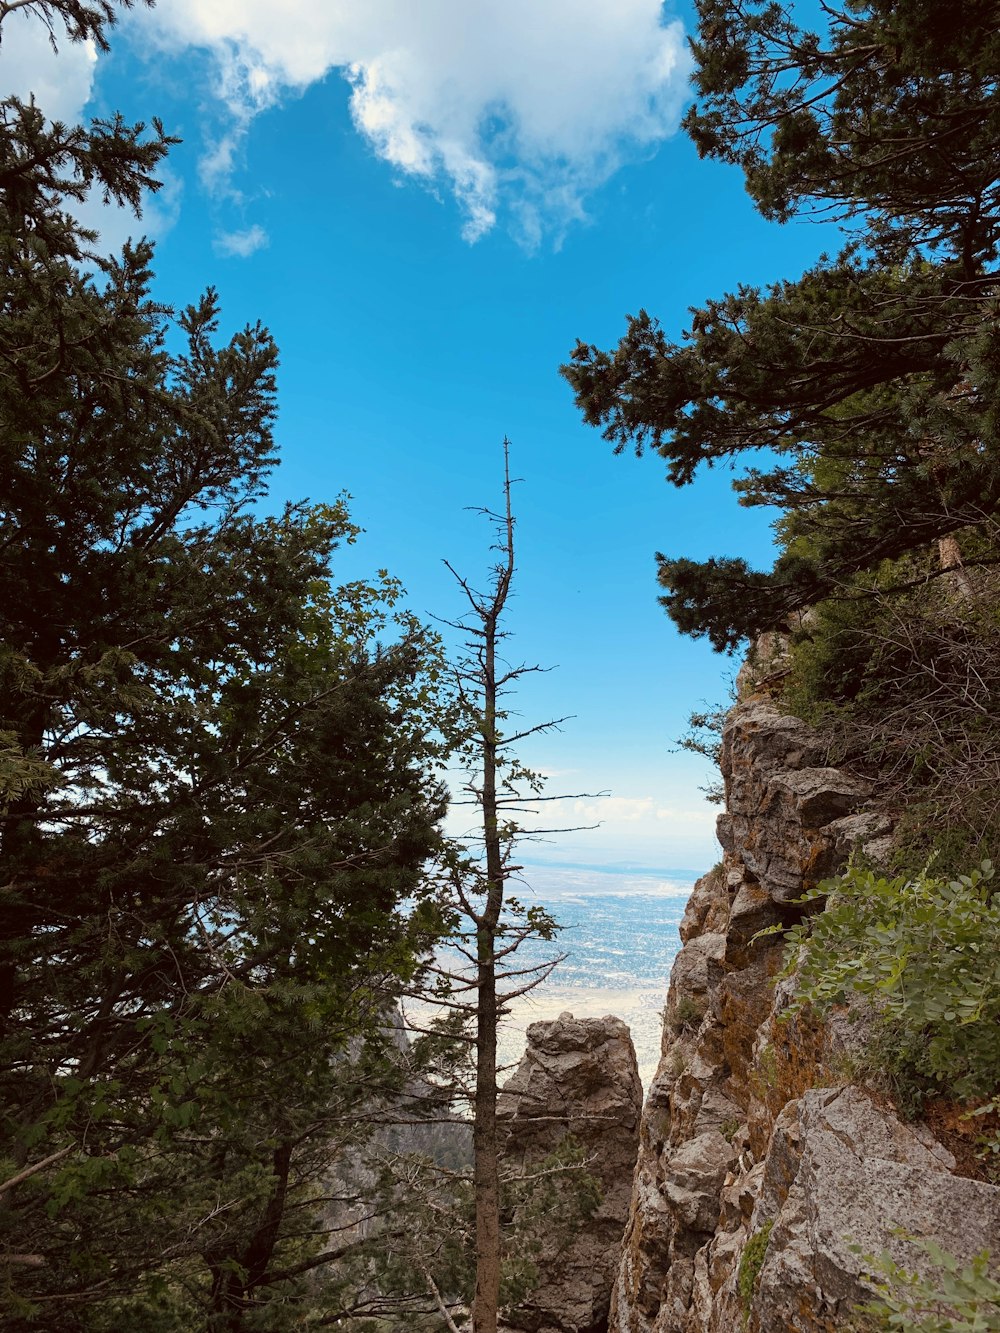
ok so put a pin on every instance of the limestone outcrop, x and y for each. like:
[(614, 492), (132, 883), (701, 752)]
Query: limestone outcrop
[(578, 1077), (760, 1162)]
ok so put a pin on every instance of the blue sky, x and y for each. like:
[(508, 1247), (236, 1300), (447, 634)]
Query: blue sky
[(427, 203)]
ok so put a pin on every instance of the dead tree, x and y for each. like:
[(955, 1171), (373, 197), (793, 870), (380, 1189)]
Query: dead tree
[(481, 976)]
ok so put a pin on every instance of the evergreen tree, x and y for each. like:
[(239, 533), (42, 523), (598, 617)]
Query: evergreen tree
[(218, 786), (870, 383)]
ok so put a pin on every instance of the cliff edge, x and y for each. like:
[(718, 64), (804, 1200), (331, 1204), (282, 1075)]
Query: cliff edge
[(762, 1159)]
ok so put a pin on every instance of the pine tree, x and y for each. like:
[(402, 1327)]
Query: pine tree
[(219, 787), (860, 398), (458, 1227), (491, 961)]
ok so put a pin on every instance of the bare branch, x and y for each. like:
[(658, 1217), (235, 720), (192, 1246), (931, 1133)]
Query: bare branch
[(33, 1170)]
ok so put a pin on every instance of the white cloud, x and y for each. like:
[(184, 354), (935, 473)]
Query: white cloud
[(617, 810), (242, 243), (115, 224), (518, 106), (61, 83), (219, 163)]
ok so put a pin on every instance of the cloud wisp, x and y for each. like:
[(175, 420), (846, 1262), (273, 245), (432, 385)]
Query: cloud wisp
[(518, 109), (60, 82), (241, 244)]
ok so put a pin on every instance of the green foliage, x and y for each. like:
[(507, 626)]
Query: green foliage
[(902, 690), (729, 1127), (85, 20), (751, 1262), (858, 399), (807, 112), (687, 1014), (926, 953), (834, 660), (21, 774), (427, 1231), (548, 1203), (989, 1143), (765, 1070), (704, 737), (219, 783), (960, 1298)]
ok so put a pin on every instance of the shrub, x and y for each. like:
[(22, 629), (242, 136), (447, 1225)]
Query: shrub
[(903, 688), (687, 1014), (926, 952), (751, 1262), (963, 1298)]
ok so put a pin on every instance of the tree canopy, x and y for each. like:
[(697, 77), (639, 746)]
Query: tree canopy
[(859, 398), (218, 785)]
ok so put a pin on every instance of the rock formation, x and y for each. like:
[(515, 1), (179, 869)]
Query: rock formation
[(760, 1163), (578, 1077)]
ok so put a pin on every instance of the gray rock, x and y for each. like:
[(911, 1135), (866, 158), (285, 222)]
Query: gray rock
[(578, 1077), (753, 909), (696, 966), (780, 800), (869, 831), (693, 1180), (748, 1121), (707, 908), (843, 1170), (766, 662)]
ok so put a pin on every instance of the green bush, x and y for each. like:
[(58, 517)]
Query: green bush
[(926, 952), (962, 1298), (687, 1015), (902, 688)]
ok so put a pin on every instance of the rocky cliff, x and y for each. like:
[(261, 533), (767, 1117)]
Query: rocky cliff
[(761, 1162), (577, 1077)]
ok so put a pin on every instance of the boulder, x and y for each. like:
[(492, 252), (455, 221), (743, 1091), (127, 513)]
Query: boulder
[(693, 1178), (577, 1077), (844, 1171), (781, 802)]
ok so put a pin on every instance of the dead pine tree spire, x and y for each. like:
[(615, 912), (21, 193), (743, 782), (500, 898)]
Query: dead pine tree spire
[(493, 924)]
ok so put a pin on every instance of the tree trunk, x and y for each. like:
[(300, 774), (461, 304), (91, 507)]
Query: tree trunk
[(485, 1168), (486, 1173)]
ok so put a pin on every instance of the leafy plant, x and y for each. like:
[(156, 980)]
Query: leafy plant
[(687, 1014), (764, 1074), (926, 952), (963, 1298), (729, 1127), (751, 1262)]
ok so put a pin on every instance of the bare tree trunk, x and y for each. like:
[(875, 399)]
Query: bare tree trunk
[(486, 1171), (497, 785), (485, 1168)]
